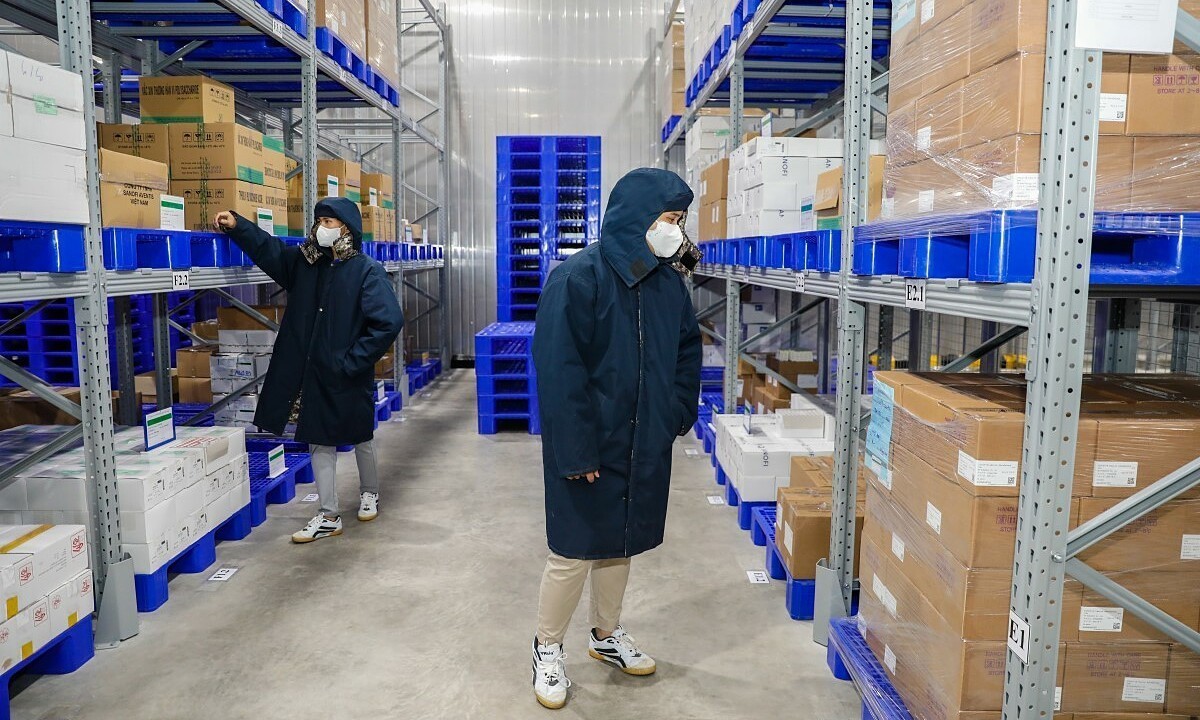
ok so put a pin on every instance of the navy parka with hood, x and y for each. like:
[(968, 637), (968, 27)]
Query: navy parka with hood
[(341, 318), (617, 350)]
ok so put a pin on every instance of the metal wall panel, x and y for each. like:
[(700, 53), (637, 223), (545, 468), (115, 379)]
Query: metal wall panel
[(526, 67)]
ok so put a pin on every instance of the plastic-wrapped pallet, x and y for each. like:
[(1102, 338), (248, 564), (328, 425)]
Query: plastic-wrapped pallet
[(938, 542), (965, 113)]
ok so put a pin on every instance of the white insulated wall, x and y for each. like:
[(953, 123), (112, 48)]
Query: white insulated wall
[(526, 67)]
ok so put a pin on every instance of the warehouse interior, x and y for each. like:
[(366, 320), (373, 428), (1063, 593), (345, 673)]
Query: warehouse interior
[(940, 462)]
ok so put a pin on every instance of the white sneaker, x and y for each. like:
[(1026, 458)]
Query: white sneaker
[(621, 650), (317, 528), (550, 681), (368, 507)]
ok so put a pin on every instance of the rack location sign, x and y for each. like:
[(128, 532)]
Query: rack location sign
[(181, 280), (159, 428), (1018, 637), (276, 463), (914, 294)]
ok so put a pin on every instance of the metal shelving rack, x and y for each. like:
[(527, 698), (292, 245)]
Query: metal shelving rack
[(1046, 550), (80, 40)]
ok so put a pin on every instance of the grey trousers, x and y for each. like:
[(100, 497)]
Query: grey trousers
[(324, 461)]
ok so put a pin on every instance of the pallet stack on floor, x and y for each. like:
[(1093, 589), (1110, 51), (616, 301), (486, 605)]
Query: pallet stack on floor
[(547, 208), (506, 381)]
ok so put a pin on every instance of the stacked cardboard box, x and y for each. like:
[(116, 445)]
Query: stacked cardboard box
[(42, 142), (827, 202), (714, 191), (965, 111), (45, 585), (804, 511), (245, 349), (381, 39), (379, 208), (938, 541), (772, 183), (195, 375), (347, 20), (672, 77), (131, 190)]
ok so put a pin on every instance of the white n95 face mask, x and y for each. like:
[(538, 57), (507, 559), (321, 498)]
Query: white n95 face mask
[(327, 236), (665, 239)]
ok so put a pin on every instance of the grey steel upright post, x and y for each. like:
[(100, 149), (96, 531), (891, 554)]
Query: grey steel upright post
[(1055, 371), (733, 289), (443, 192), (398, 205), (308, 114), (835, 579), (117, 602)]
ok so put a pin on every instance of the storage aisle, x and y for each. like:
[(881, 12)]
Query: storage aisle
[(429, 611)]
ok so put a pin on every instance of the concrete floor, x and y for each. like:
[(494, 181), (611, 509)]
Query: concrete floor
[(428, 612)]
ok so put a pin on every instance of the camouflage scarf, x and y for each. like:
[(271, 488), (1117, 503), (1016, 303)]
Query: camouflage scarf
[(343, 249), (688, 256)]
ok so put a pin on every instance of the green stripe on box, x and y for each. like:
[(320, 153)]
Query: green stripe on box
[(172, 205), (368, 237), (353, 195), (829, 223), (389, 205), (167, 120), (281, 230), (273, 143), (250, 175)]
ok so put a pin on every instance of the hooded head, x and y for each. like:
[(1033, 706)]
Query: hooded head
[(633, 207), (346, 211)]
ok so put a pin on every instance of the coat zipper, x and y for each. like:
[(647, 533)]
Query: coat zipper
[(637, 406)]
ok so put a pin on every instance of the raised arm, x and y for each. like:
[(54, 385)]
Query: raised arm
[(269, 253)]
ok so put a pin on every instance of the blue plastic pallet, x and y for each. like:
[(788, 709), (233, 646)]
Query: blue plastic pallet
[(61, 656), (745, 508), (1000, 246), (505, 366), (41, 247), (152, 591), (383, 409), (513, 339), (850, 656), (263, 445), (278, 490), (492, 424)]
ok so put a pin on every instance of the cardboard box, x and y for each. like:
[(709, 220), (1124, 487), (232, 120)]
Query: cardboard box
[(1003, 28), (1164, 175), (828, 200), (205, 199), (348, 175), (131, 190), (46, 102), (346, 19), (195, 390), (146, 385), (713, 222), (945, 52), (216, 151), (1177, 594), (1183, 681), (802, 530), (206, 330), (232, 318), (276, 201), (378, 190), (1159, 537), (714, 182), (185, 99), (148, 141), (1122, 465), (1004, 99), (275, 163), (1109, 677), (381, 50), (42, 183), (1162, 95), (37, 559), (907, 68)]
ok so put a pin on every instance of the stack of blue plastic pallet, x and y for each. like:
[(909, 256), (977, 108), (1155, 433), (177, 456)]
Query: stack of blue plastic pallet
[(547, 207), (505, 378)]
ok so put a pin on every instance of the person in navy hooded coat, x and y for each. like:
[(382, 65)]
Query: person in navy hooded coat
[(342, 316), (617, 350)]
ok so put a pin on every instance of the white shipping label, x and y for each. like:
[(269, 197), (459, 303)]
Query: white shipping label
[(889, 659), (925, 201), (171, 213), (1101, 619), (933, 517), (1058, 698), (862, 624), (1113, 107), (1191, 548), (789, 539), (966, 466), (1147, 690), (373, 195), (331, 184), (266, 219), (888, 208), (1115, 474), (928, 10), (1015, 189), (898, 547), (924, 138), (987, 473)]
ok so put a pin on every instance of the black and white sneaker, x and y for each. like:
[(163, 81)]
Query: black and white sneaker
[(621, 650), (550, 681), (317, 528)]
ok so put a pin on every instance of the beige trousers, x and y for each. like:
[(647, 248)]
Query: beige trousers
[(562, 586)]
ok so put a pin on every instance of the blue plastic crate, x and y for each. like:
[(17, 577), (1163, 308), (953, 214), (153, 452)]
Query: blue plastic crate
[(507, 405), (334, 47), (132, 248), (41, 247), (492, 424), (152, 591)]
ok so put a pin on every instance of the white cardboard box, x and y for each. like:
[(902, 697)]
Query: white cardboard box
[(776, 222), (70, 602), (14, 497), (756, 313), (42, 183), (762, 147), (151, 526), (148, 558), (39, 559), (774, 196), (40, 625), (14, 634), (219, 445), (189, 504), (211, 486), (47, 103), (191, 463)]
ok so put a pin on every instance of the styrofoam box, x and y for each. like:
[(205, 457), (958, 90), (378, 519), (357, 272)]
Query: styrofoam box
[(42, 183), (807, 423), (14, 497), (148, 558), (39, 560), (759, 489), (151, 526), (175, 469), (191, 461)]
